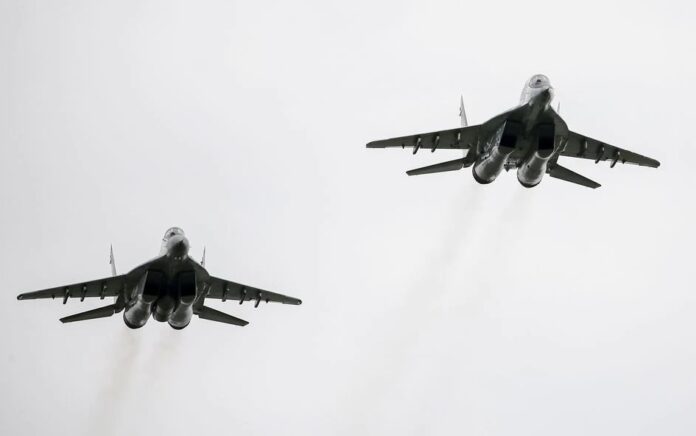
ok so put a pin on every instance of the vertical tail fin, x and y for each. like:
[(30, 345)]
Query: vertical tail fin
[(462, 112), (471, 154), (112, 262)]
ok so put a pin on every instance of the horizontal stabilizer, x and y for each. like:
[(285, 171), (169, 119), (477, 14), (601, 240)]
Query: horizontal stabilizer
[(563, 173), (101, 312), (452, 165), (210, 314)]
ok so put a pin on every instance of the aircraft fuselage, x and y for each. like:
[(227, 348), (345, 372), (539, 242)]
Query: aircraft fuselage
[(166, 287), (524, 138)]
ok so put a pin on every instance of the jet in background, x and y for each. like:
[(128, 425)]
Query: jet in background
[(529, 138), (171, 287)]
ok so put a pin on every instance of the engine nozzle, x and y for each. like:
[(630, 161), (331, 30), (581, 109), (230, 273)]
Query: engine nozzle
[(502, 144), (532, 170)]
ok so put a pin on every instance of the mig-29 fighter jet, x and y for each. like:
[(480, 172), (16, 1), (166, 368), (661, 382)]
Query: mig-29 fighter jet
[(171, 287), (529, 138)]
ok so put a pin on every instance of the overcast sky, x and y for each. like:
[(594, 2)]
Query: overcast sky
[(432, 305)]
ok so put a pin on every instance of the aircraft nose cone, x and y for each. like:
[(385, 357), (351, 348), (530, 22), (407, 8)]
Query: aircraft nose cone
[(177, 246), (548, 94), (544, 97)]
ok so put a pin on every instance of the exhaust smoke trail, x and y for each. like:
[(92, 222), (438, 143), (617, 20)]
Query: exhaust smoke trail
[(109, 406)]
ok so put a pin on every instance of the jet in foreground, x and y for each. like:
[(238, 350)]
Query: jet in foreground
[(171, 287), (530, 138)]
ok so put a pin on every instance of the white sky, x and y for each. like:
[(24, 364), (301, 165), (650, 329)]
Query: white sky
[(432, 305)]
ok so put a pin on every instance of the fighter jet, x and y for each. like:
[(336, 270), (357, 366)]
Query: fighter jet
[(530, 138), (171, 287)]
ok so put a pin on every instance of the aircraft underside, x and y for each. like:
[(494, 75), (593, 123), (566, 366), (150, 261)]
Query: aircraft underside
[(165, 298), (529, 138), (172, 287), (511, 147)]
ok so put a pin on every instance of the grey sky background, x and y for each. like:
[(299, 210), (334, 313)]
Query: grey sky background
[(432, 305)]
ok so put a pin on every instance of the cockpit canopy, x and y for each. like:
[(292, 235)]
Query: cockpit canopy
[(539, 81), (172, 232)]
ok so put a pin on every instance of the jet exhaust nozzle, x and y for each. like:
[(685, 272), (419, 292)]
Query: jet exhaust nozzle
[(147, 292), (186, 291), (489, 166), (487, 170), (532, 170), (137, 314), (163, 309), (530, 173), (181, 316)]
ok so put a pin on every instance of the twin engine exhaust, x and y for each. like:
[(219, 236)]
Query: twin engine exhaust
[(153, 298)]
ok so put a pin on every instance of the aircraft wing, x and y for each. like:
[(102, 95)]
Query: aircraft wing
[(108, 287), (227, 290), (461, 138), (585, 147)]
